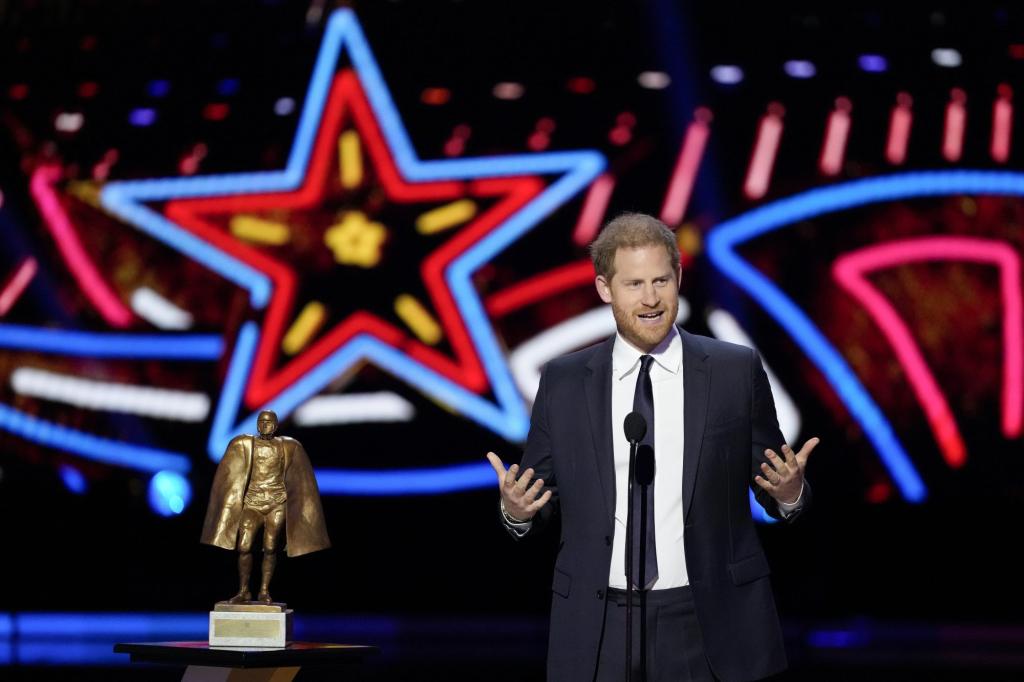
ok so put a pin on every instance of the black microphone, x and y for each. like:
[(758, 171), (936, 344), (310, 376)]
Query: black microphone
[(635, 427), (644, 464)]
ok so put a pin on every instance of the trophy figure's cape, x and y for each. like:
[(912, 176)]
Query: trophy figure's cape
[(305, 530)]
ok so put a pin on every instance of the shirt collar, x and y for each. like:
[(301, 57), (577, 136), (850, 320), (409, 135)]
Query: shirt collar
[(668, 354)]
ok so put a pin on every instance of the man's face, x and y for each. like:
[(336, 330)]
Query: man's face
[(644, 293), (267, 424)]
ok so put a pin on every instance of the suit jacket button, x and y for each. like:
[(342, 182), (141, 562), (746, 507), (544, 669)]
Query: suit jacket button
[(608, 540), (600, 594)]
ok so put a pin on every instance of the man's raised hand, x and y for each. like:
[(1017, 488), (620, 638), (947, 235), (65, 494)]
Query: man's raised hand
[(784, 478), (517, 495)]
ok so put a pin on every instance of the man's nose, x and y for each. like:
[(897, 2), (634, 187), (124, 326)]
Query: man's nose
[(650, 296)]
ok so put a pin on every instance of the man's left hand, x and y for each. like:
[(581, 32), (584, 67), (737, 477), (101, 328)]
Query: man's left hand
[(784, 479)]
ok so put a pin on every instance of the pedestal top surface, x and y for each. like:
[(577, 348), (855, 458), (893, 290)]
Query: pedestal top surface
[(201, 653)]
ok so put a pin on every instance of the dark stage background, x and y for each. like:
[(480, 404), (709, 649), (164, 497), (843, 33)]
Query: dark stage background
[(423, 178)]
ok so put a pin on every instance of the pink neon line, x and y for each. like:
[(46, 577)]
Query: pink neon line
[(837, 131), (677, 198), (850, 271), (593, 209), (759, 173), (1002, 125), (899, 130), (956, 121), (71, 249), (17, 284)]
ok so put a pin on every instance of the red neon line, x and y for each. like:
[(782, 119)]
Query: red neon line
[(851, 270), (1002, 124), (956, 122), (539, 287), (17, 284), (594, 207), (677, 198), (837, 132), (899, 129), (71, 250), (759, 172)]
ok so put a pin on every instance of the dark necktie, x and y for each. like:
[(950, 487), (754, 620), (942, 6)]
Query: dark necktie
[(643, 403)]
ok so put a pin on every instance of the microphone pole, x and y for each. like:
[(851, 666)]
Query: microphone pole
[(635, 427), (644, 471)]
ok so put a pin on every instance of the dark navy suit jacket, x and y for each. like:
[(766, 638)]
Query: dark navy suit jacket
[(728, 421)]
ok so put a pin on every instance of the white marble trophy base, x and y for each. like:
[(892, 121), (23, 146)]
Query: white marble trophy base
[(252, 624)]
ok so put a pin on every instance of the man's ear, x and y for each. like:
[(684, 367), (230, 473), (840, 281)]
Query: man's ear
[(604, 289)]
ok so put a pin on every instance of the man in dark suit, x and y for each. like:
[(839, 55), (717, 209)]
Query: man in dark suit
[(712, 424)]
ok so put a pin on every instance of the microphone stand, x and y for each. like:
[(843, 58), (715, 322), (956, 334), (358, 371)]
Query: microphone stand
[(630, 523), (645, 476), (635, 427)]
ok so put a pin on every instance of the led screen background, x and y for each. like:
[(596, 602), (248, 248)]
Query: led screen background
[(374, 219)]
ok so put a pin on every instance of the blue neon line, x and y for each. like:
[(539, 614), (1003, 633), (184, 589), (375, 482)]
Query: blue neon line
[(111, 345), (378, 94), (724, 238), (85, 625), (222, 431), (316, 94), (406, 482), (138, 457)]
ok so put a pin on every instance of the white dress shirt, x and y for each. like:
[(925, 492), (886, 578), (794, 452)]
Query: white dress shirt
[(667, 382)]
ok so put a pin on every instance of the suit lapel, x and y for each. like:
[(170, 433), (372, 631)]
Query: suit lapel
[(597, 386), (696, 379)]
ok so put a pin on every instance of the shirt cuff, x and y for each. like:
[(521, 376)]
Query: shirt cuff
[(787, 508), (517, 528)]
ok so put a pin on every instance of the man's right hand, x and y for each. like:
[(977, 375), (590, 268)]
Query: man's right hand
[(518, 496)]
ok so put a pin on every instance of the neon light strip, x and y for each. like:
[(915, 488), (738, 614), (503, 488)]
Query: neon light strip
[(576, 332), (724, 326), (305, 326), (594, 207), (837, 132), (96, 448), (105, 625), (762, 160), (955, 123), (355, 408), (17, 284), (157, 310), (350, 159), (723, 240), (680, 187), (1002, 125), (851, 271), (99, 345), (71, 250), (540, 287), (412, 312), (260, 231), (900, 121), (408, 482), (116, 397), (446, 217)]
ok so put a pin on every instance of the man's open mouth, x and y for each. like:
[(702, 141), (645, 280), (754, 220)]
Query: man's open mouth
[(651, 316)]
